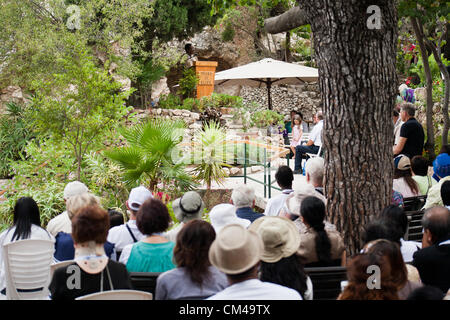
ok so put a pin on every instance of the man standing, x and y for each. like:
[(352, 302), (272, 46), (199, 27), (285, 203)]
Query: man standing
[(313, 145), (397, 124), (412, 135)]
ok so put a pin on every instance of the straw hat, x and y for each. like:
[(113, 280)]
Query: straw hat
[(224, 214), (294, 200), (235, 249), (280, 237)]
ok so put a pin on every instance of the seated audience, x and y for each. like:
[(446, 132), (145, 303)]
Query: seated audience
[(314, 171), (236, 252), (96, 272), (419, 167), (224, 214), (243, 198), (441, 168), (194, 277), (189, 207), (399, 274), (318, 246), (426, 293), (291, 208), (62, 223), (115, 218), (154, 253), (445, 194), (385, 229), (433, 260), (26, 225), (312, 146), (284, 177), (357, 275), (64, 248), (280, 263), (396, 216), (403, 181), (128, 233)]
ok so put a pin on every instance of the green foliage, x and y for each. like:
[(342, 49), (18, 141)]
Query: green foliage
[(228, 33), (438, 82), (265, 118), (15, 132), (170, 101), (188, 83), (78, 105), (148, 156), (210, 154)]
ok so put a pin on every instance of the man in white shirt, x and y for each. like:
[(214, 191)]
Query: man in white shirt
[(62, 222), (242, 273), (284, 177), (397, 124), (312, 146), (128, 233)]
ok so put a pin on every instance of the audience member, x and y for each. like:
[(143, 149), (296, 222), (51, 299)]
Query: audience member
[(297, 133), (62, 221), (189, 207), (284, 177), (236, 252), (441, 167), (280, 263), (399, 273), (115, 218), (243, 198), (318, 246), (358, 279), (312, 146), (396, 216), (194, 277), (128, 233), (426, 293), (433, 260), (224, 214), (403, 181), (95, 271), (64, 246), (412, 136), (154, 253), (397, 198), (314, 171), (26, 225), (419, 167), (445, 194), (397, 124)]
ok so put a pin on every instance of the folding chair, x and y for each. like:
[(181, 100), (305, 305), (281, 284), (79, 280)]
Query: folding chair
[(118, 295)]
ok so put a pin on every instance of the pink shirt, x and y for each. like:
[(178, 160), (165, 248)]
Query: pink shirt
[(297, 133)]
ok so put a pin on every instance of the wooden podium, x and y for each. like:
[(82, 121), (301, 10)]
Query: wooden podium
[(205, 71)]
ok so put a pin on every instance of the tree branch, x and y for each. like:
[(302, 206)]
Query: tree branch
[(289, 20)]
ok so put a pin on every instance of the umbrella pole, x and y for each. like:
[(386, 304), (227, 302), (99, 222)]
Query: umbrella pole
[(269, 98)]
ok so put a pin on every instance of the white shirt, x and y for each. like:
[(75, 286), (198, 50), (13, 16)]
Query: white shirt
[(6, 236), (397, 127), (275, 204), (400, 185), (121, 237), (60, 223), (316, 134), (408, 248), (171, 235), (255, 289)]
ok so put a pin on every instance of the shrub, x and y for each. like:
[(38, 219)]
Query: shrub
[(170, 101)]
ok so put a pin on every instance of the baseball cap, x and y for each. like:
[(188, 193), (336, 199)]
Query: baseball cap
[(138, 196)]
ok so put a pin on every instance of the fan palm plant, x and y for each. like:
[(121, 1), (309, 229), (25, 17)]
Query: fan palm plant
[(210, 154), (147, 159)]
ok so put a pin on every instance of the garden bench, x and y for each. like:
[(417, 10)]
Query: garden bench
[(326, 281)]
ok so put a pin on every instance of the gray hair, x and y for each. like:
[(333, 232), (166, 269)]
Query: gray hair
[(315, 168), (243, 196), (76, 203)]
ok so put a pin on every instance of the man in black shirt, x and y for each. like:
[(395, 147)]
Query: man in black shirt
[(412, 135)]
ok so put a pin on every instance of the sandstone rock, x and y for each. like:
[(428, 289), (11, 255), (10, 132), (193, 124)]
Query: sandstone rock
[(235, 171)]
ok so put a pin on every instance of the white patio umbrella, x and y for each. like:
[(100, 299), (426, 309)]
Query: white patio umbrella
[(267, 72)]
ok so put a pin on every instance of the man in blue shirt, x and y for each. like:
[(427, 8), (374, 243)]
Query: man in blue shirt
[(243, 198)]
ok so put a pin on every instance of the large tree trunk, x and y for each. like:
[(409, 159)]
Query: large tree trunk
[(418, 31), (358, 81)]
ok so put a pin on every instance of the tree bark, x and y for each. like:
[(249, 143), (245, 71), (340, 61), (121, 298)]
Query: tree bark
[(357, 80), (418, 31)]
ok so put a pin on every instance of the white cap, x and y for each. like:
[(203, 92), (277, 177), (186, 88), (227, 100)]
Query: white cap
[(138, 196), (224, 214), (74, 188)]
